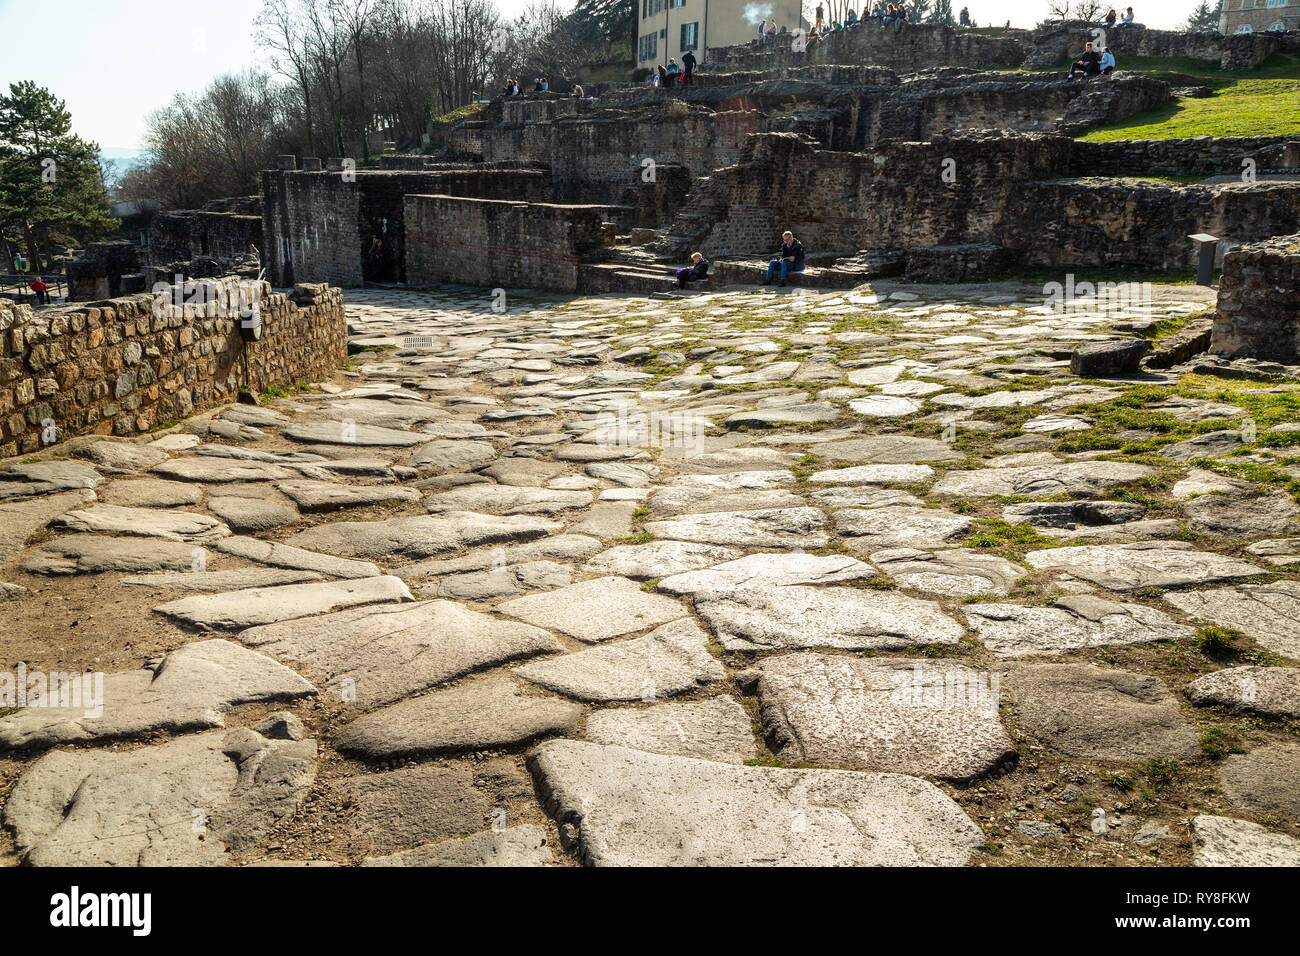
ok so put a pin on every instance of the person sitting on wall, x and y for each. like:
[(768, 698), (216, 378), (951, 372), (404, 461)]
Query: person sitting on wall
[(850, 18), (890, 15), (1089, 64), (788, 259), (537, 87), (661, 75), (698, 270), (877, 11), (1111, 17), (901, 18), (1107, 62), (1128, 19), (41, 290), (577, 92)]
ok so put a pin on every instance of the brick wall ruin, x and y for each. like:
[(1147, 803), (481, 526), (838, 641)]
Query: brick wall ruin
[(116, 367), (182, 235), (1259, 302), (489, 242)]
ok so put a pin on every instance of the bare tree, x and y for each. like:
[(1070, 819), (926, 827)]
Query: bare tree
[(281, 29)]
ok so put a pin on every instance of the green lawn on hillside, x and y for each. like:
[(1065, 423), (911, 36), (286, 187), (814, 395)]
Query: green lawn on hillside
[(1263, 102)]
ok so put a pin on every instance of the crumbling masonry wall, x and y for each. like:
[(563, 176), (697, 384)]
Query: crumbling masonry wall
[(489, 242), (114, 367), (1259, 302), (182, 235)]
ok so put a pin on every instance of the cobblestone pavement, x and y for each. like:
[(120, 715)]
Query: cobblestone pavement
[(746, 577)]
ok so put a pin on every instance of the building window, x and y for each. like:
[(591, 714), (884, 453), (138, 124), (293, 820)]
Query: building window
[(1276, 3), (676, 3), (690, 36), (1244, 28), (649, 46), (663, 34), (1277, 25)]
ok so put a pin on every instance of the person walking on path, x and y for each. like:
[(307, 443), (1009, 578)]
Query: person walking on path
[(41, 290), (688, 61)]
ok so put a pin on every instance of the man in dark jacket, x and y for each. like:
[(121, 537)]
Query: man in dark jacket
[(1089, 64), (788, 259), (688, 63)]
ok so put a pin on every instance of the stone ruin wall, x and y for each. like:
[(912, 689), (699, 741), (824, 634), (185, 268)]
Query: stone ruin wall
[(1259, 302), (490, 243), (922, 46), (1007, 192), (114, 367), (185, 234)]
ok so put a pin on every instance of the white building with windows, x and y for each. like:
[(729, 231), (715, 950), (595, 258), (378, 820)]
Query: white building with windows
[(1252, 16), (668, 28)]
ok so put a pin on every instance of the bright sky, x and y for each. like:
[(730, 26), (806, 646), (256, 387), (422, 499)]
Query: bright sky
[(115, 61)]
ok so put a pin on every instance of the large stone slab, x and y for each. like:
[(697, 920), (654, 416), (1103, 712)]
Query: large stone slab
[(895, 526), (1272, 691), (1073, 621), (252, 514), (143, 523), (212, 582), (375, 655), (761, 619), (445, 455), (478, 715), (716, 728), (420, 536), (190, 689), (94, 554), (1040, 481), (928, 718), (353, 434), (770, 570), (1142, 564), (188, 802), (120, 456), (19, 520), (1222, 841), (506, 500), (957, 572), (498, 582), (595, 610), (1237, 517), (151, 493), (1098, 714), (235, 610), (560, 547), (513, 846), (887, 450), (315, 496), (872, 475), (1266, 612), (1263, 781), (657, 559), (35, 478), (633, 808), (411, 806), (667, 661), (219, 470), (763, 528), (287, 556), (687, 500)]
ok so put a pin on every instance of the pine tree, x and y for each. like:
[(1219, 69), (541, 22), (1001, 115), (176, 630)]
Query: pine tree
[(51, 186), (942, 13), (1204, 18)]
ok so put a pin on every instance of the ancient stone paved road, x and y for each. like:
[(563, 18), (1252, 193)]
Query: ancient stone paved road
[(741, 578)]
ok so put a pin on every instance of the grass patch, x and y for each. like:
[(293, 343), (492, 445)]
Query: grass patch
[(1215, 641), (1248, 106)]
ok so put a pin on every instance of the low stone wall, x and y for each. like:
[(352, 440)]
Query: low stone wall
[(1202, 156), (489, 242), (98, 273), (116, 367), (1259, 302)]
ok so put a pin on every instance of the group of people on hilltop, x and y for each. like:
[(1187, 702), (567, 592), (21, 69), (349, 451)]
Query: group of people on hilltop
[(675, 74), (1112, 16), (887, 14), (541, 85)]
